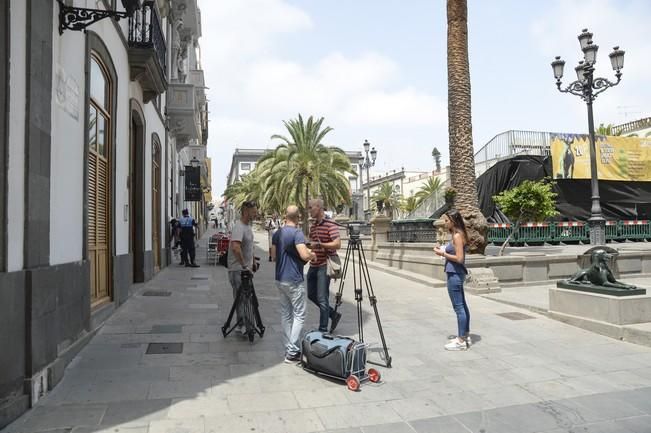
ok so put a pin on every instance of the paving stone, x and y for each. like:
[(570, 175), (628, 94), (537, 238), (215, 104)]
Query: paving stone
[(198, 407), (49, 418), (241, 403), (322, 397), (400, 427), (179, 389), (415, 408), (231, 424), (357, 415), (608, 406), (195, 425), (203, 306), (166, 329), (484, 421), (113, 429), (164, 348), (530, 418), (636, 424), (138, 411), (288, 421), (444, 424)]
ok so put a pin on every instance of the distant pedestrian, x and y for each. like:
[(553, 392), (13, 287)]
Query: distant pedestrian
[(454, 254), (290, 254), (187, 225), (271, 226), (324, 240)]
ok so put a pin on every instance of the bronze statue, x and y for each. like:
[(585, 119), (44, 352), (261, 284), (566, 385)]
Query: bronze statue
[(599, 274)]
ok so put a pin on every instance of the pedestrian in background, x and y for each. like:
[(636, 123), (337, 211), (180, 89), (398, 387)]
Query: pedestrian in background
[(271, 226), (454, 254), (187, 225), (289, 252)]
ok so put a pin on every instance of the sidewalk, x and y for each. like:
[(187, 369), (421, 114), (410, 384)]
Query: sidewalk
[(524, 374)]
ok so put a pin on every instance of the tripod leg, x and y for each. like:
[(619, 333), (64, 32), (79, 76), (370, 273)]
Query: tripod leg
[(357, 278), (258, 318), (236, 303), (343, 278), (373, 301)]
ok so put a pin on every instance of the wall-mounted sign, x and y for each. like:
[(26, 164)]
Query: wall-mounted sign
[(192, 183)]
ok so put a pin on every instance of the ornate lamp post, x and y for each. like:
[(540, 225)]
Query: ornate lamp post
[(368, 163), (588, 87)]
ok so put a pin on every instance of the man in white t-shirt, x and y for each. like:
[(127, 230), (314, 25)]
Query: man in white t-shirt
[(240, 250)]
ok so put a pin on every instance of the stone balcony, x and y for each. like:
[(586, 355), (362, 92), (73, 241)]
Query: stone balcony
[(184, 114), (147, 51), (196, 77)]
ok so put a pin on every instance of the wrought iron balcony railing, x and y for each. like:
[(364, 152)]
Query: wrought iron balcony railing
[(147, 50)]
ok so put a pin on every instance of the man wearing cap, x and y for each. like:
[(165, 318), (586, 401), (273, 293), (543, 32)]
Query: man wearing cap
[(187, 224)]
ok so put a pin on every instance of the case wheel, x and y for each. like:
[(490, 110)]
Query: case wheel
[(374, 375), (353, 383)]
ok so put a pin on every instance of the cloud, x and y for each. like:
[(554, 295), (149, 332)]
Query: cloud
[(403, 108), (254, 83)]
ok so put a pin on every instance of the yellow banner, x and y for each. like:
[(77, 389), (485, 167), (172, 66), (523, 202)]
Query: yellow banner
[(618, 158)]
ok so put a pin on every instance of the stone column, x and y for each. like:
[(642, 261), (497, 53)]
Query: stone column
[(379, 232)]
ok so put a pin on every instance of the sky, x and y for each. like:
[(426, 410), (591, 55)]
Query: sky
[(377, 70)]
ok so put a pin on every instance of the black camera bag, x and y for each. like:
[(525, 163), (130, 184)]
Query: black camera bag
[(333, 355)]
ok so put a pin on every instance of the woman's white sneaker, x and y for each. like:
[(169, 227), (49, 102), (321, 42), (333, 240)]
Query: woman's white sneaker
[(455, 345)]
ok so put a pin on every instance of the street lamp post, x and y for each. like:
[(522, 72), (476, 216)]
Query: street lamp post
[(368, 163), (588, 87)]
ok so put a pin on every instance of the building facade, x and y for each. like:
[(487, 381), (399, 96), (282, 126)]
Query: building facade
[(96, 130), (404, 184)]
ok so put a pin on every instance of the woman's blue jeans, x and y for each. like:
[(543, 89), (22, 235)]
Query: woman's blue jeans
[(458, 299)]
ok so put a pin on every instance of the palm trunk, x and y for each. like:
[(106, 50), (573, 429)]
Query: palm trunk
[(462, 161)]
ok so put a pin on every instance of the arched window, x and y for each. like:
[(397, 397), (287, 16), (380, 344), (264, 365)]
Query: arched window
[(99, 111)]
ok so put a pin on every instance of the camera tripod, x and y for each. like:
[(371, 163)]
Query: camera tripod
[(361, 278), (246, 303)]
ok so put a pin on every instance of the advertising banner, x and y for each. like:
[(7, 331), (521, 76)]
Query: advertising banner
[(618, 158), (192, 183)]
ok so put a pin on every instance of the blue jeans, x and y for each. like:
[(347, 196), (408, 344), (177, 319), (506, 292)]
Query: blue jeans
[(458, 299), (318, 291), (292, 314)]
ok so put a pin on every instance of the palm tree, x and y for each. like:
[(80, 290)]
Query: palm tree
[(607, 130), (437, 159), (303, 165), (462, 161), (386, 197), (409, 204), (432, 186), (249, 187)]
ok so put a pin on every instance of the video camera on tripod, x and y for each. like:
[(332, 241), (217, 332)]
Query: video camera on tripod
[(361, 278)]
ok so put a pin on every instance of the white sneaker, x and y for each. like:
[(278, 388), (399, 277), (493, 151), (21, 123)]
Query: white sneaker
[(456, 345), (468, 340)]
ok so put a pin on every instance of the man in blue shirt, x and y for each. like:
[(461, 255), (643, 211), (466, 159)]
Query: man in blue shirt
[(290, 254), (187, 224)]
